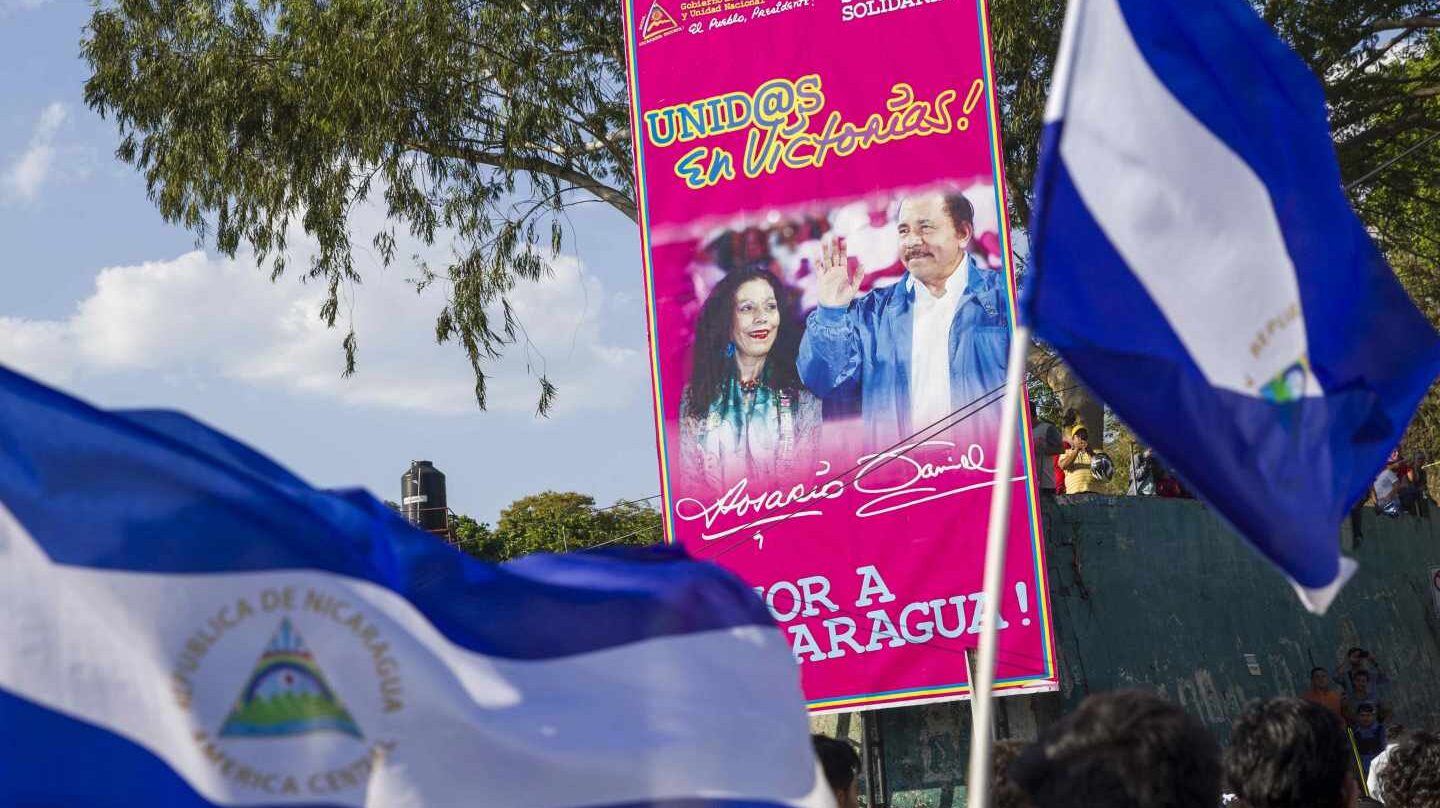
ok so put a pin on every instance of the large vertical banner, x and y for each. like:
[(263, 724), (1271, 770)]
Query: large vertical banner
[(830, 305)]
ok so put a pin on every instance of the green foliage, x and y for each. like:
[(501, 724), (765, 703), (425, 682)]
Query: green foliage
[(476, 120), (1026, 35), (554, 522), (476, 538)]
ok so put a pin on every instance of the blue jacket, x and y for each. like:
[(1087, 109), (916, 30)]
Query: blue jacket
[(867, 346)]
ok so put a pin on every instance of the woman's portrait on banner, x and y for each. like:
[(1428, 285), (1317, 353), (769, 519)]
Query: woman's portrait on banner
[(744, 412)]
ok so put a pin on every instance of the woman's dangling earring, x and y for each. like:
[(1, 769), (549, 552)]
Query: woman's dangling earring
[(730, 350)]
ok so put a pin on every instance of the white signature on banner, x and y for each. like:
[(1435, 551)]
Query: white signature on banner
[(908, 482)]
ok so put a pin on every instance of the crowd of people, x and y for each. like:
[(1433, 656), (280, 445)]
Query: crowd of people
[(1134, 749), (1068, 463), (1356, 692)]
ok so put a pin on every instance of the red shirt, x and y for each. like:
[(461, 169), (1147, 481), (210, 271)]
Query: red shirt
[(1059, 472)]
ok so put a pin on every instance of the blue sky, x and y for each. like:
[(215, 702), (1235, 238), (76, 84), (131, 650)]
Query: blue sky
[(102, 298)]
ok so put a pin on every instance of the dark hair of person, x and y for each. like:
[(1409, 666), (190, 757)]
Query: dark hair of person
[(839, 760), (1288, 753), (957, 207), (1124, 749), (1357, 674), (1320, 669), (711, 367), (1412, 777), (1352, 651), (960, 209), (1004, 793)]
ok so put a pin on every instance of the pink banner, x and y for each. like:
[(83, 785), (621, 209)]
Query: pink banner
[(831, 300)]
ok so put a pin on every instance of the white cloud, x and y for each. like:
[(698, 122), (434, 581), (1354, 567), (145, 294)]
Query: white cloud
[(197, 318), (29, 171)]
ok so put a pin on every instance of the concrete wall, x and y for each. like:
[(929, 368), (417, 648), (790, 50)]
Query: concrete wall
[(1160, 594)]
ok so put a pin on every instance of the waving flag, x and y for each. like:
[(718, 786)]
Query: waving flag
[(1198, 265), (182, 622)]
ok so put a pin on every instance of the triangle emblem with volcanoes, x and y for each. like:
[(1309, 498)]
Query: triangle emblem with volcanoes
[(658, 22), (287, 694)]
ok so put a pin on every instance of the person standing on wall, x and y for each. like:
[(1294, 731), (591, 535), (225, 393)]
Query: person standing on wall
[(1077, 462)]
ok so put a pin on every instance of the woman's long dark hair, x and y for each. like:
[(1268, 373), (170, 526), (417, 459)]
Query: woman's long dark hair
[(711, 367)]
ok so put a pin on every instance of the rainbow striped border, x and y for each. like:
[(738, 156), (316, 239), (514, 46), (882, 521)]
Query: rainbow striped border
[(894, 698), (642, 206)]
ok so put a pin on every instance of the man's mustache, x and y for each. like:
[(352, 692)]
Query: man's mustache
[(917, 253)]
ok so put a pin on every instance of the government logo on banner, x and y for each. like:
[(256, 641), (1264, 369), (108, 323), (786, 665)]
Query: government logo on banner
[(657, 23)]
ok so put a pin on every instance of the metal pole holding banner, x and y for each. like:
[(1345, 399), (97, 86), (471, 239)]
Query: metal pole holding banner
[(983, 685), (872, 760)]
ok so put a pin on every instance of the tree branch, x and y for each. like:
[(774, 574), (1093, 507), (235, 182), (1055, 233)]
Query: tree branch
[(1381, 51), (514, 162), (1380, 26)]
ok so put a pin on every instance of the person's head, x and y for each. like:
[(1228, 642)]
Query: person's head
[(1319, 678), (1361, 680), (842, 769), (1125, 749), (935, 230), (755, 245), (748, 314), (1365, 715), (1080, 435), (1290, 753), (1412, 777), (1004, 792)]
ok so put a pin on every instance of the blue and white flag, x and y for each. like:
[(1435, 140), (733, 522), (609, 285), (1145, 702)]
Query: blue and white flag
[(1198, 265), (184, 623)]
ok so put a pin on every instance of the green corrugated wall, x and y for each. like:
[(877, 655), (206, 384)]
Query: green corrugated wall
[(1160, 594)]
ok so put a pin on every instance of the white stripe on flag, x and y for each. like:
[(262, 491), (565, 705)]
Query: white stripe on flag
[(1191, 219), (634, 723)]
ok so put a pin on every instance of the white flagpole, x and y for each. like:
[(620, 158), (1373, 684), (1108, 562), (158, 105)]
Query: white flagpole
[(982, 687)]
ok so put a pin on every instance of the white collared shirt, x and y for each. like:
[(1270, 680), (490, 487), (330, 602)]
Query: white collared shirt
[(930, 349)]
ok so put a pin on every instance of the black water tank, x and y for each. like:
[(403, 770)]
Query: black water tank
[(422, 497)]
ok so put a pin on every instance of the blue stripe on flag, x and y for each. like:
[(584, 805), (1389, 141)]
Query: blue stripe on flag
[(219, 447), (160, 494), (66, 762), (47, 758)]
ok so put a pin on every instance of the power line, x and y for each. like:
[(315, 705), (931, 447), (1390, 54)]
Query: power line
[(915, 439), (1392, 161), (953, 418), (649, 529), (623, 504)]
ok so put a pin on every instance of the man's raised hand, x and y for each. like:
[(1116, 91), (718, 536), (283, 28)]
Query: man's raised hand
[(838, 285)]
